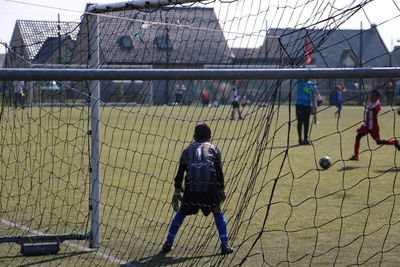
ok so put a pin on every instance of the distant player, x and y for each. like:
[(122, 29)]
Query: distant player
[(339, 99), (205, 98), (244, 101), (370, 125), (314, 104), (319, 98), (204, 187), (305, 105), (179, 89), (389, 93), (18, 93), (235, 101)]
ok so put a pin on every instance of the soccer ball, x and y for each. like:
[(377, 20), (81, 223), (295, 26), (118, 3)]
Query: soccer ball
[(325, 162)]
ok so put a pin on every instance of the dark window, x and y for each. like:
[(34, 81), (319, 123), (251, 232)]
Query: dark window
[(66, 54), (125, 42), (163, 43)]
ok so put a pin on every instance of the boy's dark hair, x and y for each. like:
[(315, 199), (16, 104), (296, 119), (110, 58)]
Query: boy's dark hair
[(202, 133), (376, 93)]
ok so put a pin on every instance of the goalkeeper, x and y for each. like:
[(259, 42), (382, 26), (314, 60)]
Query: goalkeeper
[(203, 188)]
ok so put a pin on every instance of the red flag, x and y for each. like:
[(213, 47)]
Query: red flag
[(308, 53)]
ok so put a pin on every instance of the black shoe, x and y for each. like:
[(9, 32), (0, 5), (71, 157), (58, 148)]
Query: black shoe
[(306, 143), (300, 142), (226, 249), (166, 247), (353, 158)]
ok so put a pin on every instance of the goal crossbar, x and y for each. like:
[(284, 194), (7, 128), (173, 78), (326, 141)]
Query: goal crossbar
[(26, 74), (135, 4)]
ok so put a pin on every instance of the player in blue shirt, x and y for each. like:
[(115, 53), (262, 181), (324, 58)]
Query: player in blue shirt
[(203, 187), (305, 105), (339, 99)]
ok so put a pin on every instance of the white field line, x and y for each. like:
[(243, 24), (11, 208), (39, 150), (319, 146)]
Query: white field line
[(68, 243)]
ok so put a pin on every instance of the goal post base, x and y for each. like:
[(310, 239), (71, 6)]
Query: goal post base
[(36, 245), (40, 249)]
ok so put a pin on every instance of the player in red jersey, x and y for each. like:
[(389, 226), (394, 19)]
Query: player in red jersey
[(370, 125)]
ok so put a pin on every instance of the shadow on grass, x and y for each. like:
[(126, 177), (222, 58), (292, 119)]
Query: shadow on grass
[(284, 147), (348, 168), (52, 258), (388, 170), (161, 259)]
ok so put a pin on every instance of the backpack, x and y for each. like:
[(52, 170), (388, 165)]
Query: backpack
[(200, 163)]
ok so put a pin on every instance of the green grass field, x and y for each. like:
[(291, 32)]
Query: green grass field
[(346, 215)]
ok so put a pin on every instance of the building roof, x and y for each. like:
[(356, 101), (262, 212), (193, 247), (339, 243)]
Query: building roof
[(35, 33), (330, 47), (50, 46), (2, 60), (396, 56), (269, 53), (126, 39)]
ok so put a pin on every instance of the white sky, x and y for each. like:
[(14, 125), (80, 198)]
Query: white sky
[(275, 13)]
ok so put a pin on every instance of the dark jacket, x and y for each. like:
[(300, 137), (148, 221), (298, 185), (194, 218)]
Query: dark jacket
[(211, 154)]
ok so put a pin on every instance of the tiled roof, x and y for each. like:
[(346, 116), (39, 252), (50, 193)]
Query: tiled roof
[(396, 56), (269, 53), (150, 45), (329, 45), (245, 52), (49, 47), (35, 33), (2, 60)]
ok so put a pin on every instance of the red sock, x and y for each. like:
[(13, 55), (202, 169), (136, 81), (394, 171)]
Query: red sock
[(387, 142), (356, 148), (390, 142)]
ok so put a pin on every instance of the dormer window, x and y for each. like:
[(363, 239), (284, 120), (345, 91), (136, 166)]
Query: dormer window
[(163, 42), (125, 42)]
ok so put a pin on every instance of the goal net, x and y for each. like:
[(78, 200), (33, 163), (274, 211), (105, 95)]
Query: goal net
[(281, 208)]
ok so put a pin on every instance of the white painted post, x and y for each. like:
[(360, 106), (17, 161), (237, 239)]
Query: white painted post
[(94, 88)]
